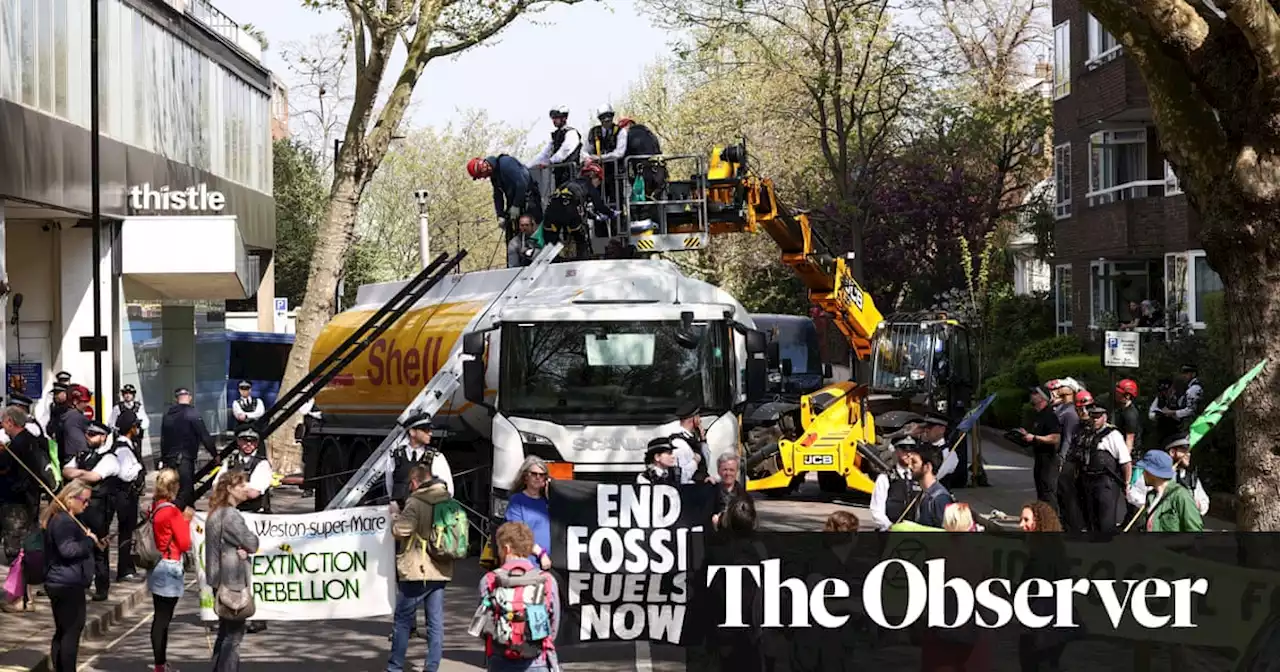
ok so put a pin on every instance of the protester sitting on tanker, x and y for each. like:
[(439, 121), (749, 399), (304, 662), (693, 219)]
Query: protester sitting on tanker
[(659, 464), (519, 615), (729, 486), (529, 506), (421, 576)]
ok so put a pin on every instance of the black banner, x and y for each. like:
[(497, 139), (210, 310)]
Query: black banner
[(624, 555)]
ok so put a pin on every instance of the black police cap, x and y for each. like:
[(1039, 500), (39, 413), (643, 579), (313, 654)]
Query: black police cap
[(689, 409), (96, 427), (20, 400), (418, 421), (247, 431), (126, 421), (128, 389), (62, 377), (656, 447)]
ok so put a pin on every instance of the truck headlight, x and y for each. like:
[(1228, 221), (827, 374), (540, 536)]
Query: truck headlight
[(498, 504), (942, 406), (537, 439)]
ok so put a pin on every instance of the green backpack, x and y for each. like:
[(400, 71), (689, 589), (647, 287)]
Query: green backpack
[(449, 531)]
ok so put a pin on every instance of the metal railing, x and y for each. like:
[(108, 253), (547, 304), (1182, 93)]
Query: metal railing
[(1125, 192), (217, 21)]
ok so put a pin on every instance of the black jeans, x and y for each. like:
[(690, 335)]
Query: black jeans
[(1045, 474), (1101, 499), (164, 607), (1071, 498), (226, 650), (98, 519), (68, 604), (125, 506), (186, 468)]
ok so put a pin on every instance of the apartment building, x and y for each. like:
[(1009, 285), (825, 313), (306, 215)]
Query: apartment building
[(1124, 231)]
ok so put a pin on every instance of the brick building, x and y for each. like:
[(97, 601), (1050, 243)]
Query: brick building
[(279, 109), (1124, 231)]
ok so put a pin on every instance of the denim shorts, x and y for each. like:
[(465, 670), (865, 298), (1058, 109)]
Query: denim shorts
[(166, 580)]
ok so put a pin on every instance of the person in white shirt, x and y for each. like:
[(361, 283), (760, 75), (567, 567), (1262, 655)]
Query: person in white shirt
[(1107, 471), (894, 491), (1179, 448), (689, 448), (565, 146), (129, 402), (415, 449), (133, 477), (98, 466), (247, 408)]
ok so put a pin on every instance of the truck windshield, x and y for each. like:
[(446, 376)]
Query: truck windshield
[(902, 358), (797, 339), (611, 372)]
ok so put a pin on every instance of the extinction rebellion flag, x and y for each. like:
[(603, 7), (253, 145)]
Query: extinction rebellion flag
[(625, 556)]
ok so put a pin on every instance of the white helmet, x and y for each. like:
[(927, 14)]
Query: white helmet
[(605, 109), (560, 111)]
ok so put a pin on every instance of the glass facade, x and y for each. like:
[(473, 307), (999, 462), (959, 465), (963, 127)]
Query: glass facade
[(157, 92)]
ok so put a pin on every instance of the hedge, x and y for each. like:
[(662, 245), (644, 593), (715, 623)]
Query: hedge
[(1007, 408), (1024, 365)]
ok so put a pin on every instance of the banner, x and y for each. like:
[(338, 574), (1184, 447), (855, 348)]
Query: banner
[(623, 555), (314, 566)]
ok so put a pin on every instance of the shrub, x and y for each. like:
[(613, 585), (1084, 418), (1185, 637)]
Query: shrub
[(1024, 365), (1013, 323), (1004, 381), (1007, 409), (1086, 369)]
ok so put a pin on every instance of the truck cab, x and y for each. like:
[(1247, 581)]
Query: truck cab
[(921, 362)]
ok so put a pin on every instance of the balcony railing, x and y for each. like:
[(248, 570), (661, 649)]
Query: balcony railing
[(1126, 192), (204, 12)]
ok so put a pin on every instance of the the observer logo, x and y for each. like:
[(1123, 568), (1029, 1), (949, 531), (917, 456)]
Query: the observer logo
[(954, 603)]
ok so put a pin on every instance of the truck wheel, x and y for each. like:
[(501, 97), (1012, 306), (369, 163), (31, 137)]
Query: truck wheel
[(330, 462), (831, 483)]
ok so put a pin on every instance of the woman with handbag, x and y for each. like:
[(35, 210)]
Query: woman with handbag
[(171, 529), (228, 544), (69, 561)]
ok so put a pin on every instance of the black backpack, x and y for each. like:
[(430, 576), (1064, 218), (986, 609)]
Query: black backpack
[(641, 141), (565, 211)]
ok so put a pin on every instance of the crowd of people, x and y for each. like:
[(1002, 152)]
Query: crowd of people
[(585, 201)]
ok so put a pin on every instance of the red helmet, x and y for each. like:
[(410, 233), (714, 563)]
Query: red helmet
[(478, 168), (1128, 387), (592, 170), (79, 393), (1084, 398)]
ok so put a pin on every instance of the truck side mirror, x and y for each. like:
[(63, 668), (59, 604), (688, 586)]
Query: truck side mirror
[(757, 377), (827, 372), (774, 355), (473, 343), (473, 381), (787, 367), (756, 342)]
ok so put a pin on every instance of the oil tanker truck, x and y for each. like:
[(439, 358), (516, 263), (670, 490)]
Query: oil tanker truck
[(588, 364)]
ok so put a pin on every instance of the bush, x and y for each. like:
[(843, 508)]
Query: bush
[(1086, 369), (1004, 381), (1024, 365), (1007, 409), (1014, 322)]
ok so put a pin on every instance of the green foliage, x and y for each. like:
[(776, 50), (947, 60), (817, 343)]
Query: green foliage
[(1014, 323), (300, 203), (1023, 368), (1009, 408), (1085, 368)]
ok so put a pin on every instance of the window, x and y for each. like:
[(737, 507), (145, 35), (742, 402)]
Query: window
[(1061, 59), (1118, 166), (27, 49), (1172, 186), (44, 67), (1062, 297), (61, 52), (1102, 46), (1206, 283), (1062, 181), (10, 66)]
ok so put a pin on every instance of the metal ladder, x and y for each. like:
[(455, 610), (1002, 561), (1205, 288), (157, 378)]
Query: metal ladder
[(442, 386)]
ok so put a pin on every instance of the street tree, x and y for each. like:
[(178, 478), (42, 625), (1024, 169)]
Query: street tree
[(459, 208), (427, 30), (321, 92), (1212, 70), (298, 188)]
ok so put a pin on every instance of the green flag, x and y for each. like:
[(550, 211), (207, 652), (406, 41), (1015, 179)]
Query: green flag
[(537, 237), (1213, 414)]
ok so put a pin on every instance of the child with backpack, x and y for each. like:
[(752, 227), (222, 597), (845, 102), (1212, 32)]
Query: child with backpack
[(432, 533), (519, 612)]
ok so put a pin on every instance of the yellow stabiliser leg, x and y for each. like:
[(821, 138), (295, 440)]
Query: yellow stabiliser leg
[(781, 479)]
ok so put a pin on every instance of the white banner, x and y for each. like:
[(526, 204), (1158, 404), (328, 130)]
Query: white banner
[(315, 566)]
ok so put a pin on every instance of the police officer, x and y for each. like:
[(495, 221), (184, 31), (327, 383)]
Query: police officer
[(133, 477), (895, 491), (565, 146), (247, 407), (416, 449), (606, 144), (26, 404), (1192, 396), (660, 464), (57, 403), (99, 466), (1106, 472), (1070, 494), (251, 460), (182, 433), (689, 447), (936, 432), (129, 402)]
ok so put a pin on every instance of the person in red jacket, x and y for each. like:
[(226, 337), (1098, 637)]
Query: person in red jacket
[(172, 529)]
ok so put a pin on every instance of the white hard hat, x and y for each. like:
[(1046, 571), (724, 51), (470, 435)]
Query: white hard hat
[(560, 110), (604, 109)]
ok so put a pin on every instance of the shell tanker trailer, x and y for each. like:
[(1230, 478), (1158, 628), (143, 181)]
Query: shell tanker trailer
[(583, 368)]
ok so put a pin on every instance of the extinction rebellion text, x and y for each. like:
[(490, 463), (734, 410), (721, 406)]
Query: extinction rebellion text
[(1001, 601)]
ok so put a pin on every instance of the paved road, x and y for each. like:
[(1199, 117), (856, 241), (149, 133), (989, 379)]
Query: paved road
[(361, 646)]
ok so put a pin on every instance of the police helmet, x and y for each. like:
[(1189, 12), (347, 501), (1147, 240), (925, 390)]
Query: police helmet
[(126, 421), (21, 401), (128, 389), (657, 447), (97, 428), (418, 421)]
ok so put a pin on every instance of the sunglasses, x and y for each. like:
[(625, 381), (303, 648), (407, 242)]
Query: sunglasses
[(83, 499), (539, 474)]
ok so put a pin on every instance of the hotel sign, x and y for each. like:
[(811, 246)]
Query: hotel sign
[(192, 199)]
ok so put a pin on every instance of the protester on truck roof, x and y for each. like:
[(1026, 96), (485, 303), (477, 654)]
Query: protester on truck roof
[(171, 528), (528, 505)]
